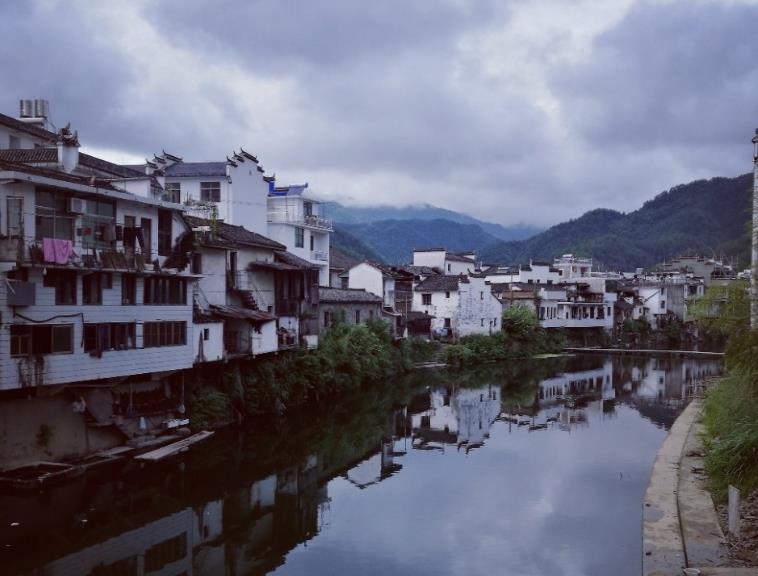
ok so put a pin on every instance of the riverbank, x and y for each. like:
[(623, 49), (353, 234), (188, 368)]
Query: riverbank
[(682, 527)]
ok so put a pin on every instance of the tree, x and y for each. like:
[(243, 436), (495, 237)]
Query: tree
[(723, 309)]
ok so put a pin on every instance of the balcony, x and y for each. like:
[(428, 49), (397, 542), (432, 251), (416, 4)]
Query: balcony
[(319, 256), (305, 220)]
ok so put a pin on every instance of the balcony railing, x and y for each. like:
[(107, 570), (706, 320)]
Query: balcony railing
[(310, 221), (319, 255)]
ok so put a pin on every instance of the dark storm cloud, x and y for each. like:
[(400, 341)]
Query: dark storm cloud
[(49, 52), (671, 75), (496, 109)]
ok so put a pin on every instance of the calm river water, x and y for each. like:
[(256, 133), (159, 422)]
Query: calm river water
[(523, 470)]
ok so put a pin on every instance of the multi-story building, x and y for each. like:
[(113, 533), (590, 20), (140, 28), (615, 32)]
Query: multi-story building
[(459, 305), (95, 295), (296, 219)]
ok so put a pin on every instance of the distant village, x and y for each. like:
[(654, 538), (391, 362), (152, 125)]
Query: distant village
[(117, 279)]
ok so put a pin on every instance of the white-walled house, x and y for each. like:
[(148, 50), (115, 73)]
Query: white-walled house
[(261, 292), (234, 191), (572, 267), (296, 219), (460, 305), (378, 279), (534, 273), (450, 263)]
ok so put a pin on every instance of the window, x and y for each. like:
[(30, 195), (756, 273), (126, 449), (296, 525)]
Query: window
[(64, 282), (307, 209), (197, 263), (494, 321), (156, 334), (41, 339), (146, 224), (164, 232), (311, 237), (171, 550), (448, 267), (326, 318), (13, 141), (98, 224), (482, 321), (128, 289), (481, 295), (663, 304), (357, 316), (447, 322), (426, 299), (172, 192), (165, 290), (447, 294), (92, 288), (210, 191), (52, 219), (370, 314), (130, 225), (206, 334), (15, 223), (110, 336), (299, 237)]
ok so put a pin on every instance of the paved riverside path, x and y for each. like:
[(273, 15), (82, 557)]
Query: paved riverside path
[(680, 527)]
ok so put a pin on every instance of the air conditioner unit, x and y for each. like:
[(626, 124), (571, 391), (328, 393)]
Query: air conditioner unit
[(77, 206)]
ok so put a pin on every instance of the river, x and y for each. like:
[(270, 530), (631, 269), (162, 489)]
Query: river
[(526, 469)]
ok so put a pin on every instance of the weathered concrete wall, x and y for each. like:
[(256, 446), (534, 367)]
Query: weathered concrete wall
[(21, 421)]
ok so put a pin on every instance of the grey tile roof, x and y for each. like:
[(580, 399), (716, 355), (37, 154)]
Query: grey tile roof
[(30, 155), (196, 169), (458, 258), (50, 156), (420, 270), (57, 175), (230, 235), (439, 283), (347, 295), (291, 259)]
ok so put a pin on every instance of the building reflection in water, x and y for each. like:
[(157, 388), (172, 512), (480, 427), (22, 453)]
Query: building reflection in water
[(249, 528)]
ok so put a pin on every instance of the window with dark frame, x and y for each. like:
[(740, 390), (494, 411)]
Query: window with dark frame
[(110, 336), (426, 299), (164, 232), (28, 339), (165, 290), (92, 288), (128, 289), (156, 334), (357, 316), (51, 216), (64, 282), (299, 237), (173, 192), (210, 191)]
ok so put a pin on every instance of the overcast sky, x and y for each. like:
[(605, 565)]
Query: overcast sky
[(512, 111)]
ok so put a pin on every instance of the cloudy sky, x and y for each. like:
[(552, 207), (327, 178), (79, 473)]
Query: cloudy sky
[(513, 111)]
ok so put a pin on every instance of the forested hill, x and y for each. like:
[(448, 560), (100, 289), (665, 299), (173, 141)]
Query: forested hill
[(708, 217)]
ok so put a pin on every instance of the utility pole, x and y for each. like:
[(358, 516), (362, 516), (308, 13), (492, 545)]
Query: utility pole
[(754, 241)]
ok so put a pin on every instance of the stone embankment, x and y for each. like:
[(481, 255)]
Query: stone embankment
[(680, 524)]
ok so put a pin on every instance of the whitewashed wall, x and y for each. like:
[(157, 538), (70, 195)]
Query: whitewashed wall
[(79, 366), (368, 278), (480, 311)]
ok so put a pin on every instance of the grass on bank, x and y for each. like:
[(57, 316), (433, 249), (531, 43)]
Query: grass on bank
[(730, 417)]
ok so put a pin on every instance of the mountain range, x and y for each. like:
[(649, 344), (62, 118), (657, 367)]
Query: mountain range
[(707, 217)]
